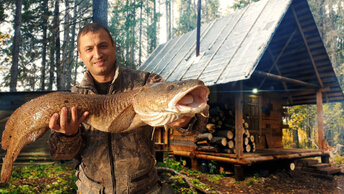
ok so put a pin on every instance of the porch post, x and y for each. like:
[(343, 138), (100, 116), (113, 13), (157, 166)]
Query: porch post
[(239, 129), (320, 120)]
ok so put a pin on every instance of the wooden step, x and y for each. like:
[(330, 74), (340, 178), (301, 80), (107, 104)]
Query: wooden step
[(306, 162), (329, 170), (320, 165)]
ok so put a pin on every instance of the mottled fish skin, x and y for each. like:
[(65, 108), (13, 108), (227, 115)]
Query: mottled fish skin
[(109, 113)]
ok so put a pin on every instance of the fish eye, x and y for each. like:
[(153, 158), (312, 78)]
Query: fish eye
[(170, 87)]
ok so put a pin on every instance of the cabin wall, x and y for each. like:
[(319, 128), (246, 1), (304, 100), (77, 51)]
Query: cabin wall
[(271, 121)]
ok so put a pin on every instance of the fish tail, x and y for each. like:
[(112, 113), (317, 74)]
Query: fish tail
[(6, 169)]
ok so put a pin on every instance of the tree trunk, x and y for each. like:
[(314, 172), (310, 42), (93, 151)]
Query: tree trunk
[(56, 29), (168, 21), (71, 61), (127, 22), (140, 35), (16, 44), (100, 12), (153, 46), (66, 53), (132, 38), (52, 61), (44, 43), (296, 138)]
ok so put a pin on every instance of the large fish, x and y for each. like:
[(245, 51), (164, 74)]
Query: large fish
[(155, 105)]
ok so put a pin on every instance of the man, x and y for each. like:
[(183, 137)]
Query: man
[(111, 163)]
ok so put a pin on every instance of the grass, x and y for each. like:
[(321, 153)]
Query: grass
[(41, 179)]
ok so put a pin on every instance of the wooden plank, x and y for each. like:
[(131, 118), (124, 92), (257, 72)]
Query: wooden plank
[(239, 129), (307, 47), (222, 159)]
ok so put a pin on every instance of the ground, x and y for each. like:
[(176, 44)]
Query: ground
[(60, 179), (269, 180), (278, 182)]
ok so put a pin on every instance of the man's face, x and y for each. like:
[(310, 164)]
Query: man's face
[(98, 54)]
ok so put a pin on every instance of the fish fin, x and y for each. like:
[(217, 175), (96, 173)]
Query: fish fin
[(123, 121)]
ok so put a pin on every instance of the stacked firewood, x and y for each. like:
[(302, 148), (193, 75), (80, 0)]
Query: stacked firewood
[(220, 134)]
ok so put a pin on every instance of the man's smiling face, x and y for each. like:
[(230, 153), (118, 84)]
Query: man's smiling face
[(98, 53)]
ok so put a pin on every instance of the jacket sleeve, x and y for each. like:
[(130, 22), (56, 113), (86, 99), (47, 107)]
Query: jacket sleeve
[(64, 147)]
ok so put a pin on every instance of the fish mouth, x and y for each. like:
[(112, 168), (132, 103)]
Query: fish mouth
[(194, 100)]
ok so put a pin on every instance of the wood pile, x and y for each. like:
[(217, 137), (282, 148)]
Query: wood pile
[(220, 134)]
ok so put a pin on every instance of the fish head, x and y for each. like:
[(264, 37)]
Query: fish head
[(160, 103)]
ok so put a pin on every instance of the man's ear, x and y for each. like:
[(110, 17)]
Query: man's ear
[(79, 54)]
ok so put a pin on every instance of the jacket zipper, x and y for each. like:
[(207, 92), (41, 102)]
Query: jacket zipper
[(111, 156)]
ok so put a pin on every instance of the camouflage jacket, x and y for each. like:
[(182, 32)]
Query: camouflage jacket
[(111, 163)]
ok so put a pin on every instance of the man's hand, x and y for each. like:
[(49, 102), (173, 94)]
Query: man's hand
[(180, 123), (63, 126)]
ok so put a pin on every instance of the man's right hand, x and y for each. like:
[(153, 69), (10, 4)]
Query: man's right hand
[(60, 124)]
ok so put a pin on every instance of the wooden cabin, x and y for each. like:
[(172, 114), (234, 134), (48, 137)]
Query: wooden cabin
[(271, 47)]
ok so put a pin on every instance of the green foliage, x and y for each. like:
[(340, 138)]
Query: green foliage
[(188, 15), (178, 182), (239, 4), (41, 179), (253, 180), (196, 183), (173, 164), (212, 167), (214, 178), (124, 26), (303, 119), (210, 10), (338, 159)]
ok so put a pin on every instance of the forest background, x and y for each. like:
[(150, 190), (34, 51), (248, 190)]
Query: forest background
[(38, 46)]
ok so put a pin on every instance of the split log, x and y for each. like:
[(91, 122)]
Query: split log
[(231, 144), (204, 136), (211, 127), (219, 141), (253, 147), (246, 141), (225, 133), (247, 148), (252, 138), (207, 149)]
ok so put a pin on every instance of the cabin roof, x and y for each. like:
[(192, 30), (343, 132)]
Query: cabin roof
[(272, 45)]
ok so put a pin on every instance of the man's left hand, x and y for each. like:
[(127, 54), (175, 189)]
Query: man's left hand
[(180, 123)]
